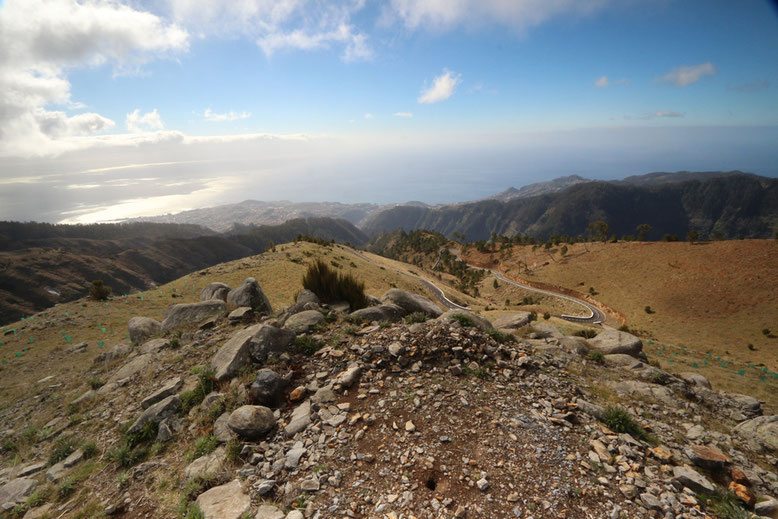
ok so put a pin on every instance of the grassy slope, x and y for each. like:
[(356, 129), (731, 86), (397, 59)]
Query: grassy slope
[(279, 273), (708, 298)]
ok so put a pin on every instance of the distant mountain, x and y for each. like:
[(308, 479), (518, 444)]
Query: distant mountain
[(728, 205), (652, 179), (45, 264), (254, 212), (539, 188)]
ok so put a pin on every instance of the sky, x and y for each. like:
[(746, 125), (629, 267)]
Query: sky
[(112, 109)]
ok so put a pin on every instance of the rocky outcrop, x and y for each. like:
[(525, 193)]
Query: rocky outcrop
[(379, 313), (234, 354), (184, 314), (15, 491), (761, 433), (512, 321), (143, 328), (250, 294), (156, 413), (224, 502), (304, 322), (215, 291), (269, 341), (411, 303), (464, 317), (615, 341)]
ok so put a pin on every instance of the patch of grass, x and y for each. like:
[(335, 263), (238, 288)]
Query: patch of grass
[(123, 479), (332, 286), (62, 448), (205, 385), (202, 446), (620, 421), (232, 450), (96, 382), (353, 319), (384, 324), (416, 317), (463, 319), (596, 356), (307, 345), (501, 337), (586, 334), (66, 488), (126, 456), (146, 434), (726, 505), (89, 448)]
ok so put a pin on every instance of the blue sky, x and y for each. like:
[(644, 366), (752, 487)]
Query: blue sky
[(219, 102)]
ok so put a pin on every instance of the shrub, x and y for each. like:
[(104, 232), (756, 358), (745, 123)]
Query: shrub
[(194, 512), (202, 446), (648, 310), (307, 345), (501, 337), (766, 331), (89, 448), (66, 488), (205, 385), (533, 316), (232, 449), (415, 317), (126, 456), (726, 504), (98, 291), (464, 320), (546, 316), (332, 286), (751, 347), (96, 382), (63, 448)]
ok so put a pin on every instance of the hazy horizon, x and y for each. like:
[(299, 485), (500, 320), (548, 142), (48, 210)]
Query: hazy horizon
[(117, 109)]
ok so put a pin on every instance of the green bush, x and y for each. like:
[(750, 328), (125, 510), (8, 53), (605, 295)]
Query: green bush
[(546, 316), (463, 319), (194, 512), (63, 448), (89, 448), (307, 345), (726, 505), (202, 446), (205, 385), (501, 337), (586, 334), (98, 291), (597, 356), (332, 286), (648, 310), (620, 421), (96, 382), (416, 317), (66, 488)]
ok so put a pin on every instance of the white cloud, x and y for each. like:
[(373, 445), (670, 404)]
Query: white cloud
[(229, 116), (137, 123), (659, 114), (41, 39), (517, 14), (277, 25), (406, 115), (603, 82), (689, 74), (368, 116), (442, 88)]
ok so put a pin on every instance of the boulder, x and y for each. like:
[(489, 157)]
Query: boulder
[(347, 378), (300, 419), (695, 379), (269, 512), (42, 512), (221, 429), (252, 421), (706, 457), (31, 468), (574, 345), (306, 296), (15, 491), (512, 321), (205, 466), (411, 302), (215, 291), (224, 502), (686, 477), (545, 330), (748, 405), (234, 354), (268, 388), (142, 328), (238, 315), (304, 321), (171, 387), (636, 387), (382, 312), (615, 341), (136, 365), (183, 314), (478, 321), (761, 433), (154, 346), (269, 341), (118, 351), (156, 413), (250, 294)]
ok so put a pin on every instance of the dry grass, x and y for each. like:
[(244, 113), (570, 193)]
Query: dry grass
[(707, 298)]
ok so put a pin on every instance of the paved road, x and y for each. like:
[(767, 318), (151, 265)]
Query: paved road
[(593, 314)]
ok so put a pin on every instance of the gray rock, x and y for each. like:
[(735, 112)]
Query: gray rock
[(306, 296), (478, 321), (184, 314), (156, 413), (761, 433), (206, 466), (768, 507), (748, 405), (154, 346), (295, 514), (300, 419), (142, 328), (591, 409), (650, 501), (266, 486), (623, 360), (136, 365), (411, 302), (243, 313), (56, 472), (215, 291), (234, 354), (696, 379), (324, 395), (269, 341), (574, 345), (512, 321), (347, 378), (310, 484), (383, 312), (42, 512), (252, 421), (15, 491), (686, 477), (635, 387), (118, 351), (221, 429), (31, 468), (269, 512), (304, 321), (268, 388), (545, 330), (293, 457), (89, 395), (250, 294), (78, 348), (224, 502), (75, 458), (171, 387), (615, 341), (164, 432)]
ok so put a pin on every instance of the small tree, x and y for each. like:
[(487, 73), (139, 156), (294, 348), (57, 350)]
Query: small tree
[(600, 230), (648, 310), (98, 291), (563, 250), (692, 236), (643, 230), (495, 284), (546, 316)]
